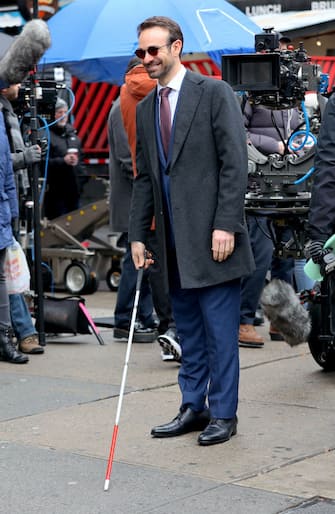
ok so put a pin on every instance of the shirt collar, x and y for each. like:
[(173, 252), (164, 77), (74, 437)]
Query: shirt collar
[(176, 82)]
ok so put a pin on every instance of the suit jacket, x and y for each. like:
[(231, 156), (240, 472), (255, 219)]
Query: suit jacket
[(208, 181)]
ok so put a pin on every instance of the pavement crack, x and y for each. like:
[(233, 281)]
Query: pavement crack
[(269, 469), (271, 361)]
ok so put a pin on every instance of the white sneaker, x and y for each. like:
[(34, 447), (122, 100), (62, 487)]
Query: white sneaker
[(166, 355), (170, 345)]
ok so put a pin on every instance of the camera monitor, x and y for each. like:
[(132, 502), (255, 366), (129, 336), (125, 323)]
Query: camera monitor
[(252, 72)]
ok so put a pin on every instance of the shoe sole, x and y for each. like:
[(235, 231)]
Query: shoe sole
[(276, 337), (217, 441), (35, 351), (167, 357), (170, 346), (121, 334), (164, 435), (14, 361), (245, 344)]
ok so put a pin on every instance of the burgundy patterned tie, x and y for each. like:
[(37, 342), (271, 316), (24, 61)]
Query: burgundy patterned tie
[(165, 118)]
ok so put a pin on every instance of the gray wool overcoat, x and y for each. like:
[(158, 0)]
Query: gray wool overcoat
[(208, 181)]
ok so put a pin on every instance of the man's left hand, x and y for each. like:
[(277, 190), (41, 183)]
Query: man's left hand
[(223, 244)]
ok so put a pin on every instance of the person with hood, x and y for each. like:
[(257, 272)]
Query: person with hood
[(136, 87), (121, 184)]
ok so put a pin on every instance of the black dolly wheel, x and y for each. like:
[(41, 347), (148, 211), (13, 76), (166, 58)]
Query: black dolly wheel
[(325, 358)]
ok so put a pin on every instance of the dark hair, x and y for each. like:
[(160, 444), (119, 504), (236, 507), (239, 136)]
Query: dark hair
[(165, 23)]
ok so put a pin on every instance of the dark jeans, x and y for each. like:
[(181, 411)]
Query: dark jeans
[(252, 286), (4, 301), (21, 317), (126, 295)]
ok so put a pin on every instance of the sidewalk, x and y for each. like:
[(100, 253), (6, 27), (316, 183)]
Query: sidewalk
[(57, 415)]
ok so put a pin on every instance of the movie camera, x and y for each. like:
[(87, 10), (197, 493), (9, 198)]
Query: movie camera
[(275, 78), (280, 185), (46, 93)]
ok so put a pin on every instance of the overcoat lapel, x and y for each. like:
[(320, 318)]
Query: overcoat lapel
[(150, 133), (188, 101)]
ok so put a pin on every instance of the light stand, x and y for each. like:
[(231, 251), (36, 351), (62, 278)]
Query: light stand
[(38, 278)]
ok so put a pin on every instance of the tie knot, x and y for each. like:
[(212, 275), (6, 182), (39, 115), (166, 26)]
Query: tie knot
[(165, 91)]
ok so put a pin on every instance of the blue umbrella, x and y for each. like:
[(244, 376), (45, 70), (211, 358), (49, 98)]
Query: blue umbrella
[(94, 39)]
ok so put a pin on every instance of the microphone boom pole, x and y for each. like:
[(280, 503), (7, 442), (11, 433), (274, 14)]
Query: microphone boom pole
[(38, 279)]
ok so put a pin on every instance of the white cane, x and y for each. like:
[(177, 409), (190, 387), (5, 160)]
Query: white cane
[(123, 381)]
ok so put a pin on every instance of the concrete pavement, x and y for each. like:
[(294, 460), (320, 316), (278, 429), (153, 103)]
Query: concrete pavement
[(57, 415)]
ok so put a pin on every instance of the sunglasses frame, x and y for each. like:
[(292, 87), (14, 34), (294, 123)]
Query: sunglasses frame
[(151, 50)]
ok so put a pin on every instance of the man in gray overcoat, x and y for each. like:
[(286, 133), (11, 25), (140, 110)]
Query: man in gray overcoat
[(193, 182)]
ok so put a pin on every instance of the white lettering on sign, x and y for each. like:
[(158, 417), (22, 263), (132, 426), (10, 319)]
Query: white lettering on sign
[(257, 10), (322, 5)]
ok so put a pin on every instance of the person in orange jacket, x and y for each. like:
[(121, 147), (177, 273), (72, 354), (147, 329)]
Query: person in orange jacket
[(136, 86)]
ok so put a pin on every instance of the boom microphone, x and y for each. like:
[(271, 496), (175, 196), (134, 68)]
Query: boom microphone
[(285, 312), (24, 53)]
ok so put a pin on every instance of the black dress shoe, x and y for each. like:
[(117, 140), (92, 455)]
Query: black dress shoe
[(141, 334), (186, 421), (218, 431)]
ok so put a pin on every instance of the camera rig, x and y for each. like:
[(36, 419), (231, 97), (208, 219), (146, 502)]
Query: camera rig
[(275, 78), (46, 96), (280, 185)]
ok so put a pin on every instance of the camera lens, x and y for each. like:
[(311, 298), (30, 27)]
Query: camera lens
[(260, 46)]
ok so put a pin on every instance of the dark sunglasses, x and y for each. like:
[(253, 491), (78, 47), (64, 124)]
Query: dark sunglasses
[(151, 50)]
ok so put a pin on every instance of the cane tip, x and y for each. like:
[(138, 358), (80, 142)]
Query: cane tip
[(106, 486)]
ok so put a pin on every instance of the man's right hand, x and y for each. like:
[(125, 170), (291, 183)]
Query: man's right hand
[(141, 258)]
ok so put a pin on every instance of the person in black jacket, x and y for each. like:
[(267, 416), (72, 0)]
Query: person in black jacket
[(321, 221), (64, 167)]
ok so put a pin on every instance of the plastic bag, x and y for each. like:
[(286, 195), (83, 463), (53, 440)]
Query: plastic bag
[(16, 269)]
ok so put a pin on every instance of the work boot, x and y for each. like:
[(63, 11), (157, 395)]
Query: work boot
[(8, 352), (30, 344), (248, 337)]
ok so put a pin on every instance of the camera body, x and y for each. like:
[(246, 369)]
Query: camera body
[(46, 97), (277, 79)]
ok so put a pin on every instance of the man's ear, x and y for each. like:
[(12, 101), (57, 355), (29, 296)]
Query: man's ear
[(176, 47)]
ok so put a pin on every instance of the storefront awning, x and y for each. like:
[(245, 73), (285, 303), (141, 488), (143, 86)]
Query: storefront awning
[(298, 23)]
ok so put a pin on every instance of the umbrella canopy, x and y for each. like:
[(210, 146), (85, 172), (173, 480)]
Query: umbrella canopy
[(94, 40), (5, 42)]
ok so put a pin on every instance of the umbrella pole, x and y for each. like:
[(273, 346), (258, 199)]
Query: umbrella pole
[(123, 381)]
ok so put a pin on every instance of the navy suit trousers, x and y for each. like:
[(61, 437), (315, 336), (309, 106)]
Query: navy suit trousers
[(207, 322)]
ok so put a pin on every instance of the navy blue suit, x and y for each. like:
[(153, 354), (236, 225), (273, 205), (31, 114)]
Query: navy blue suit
[(198, 188)]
